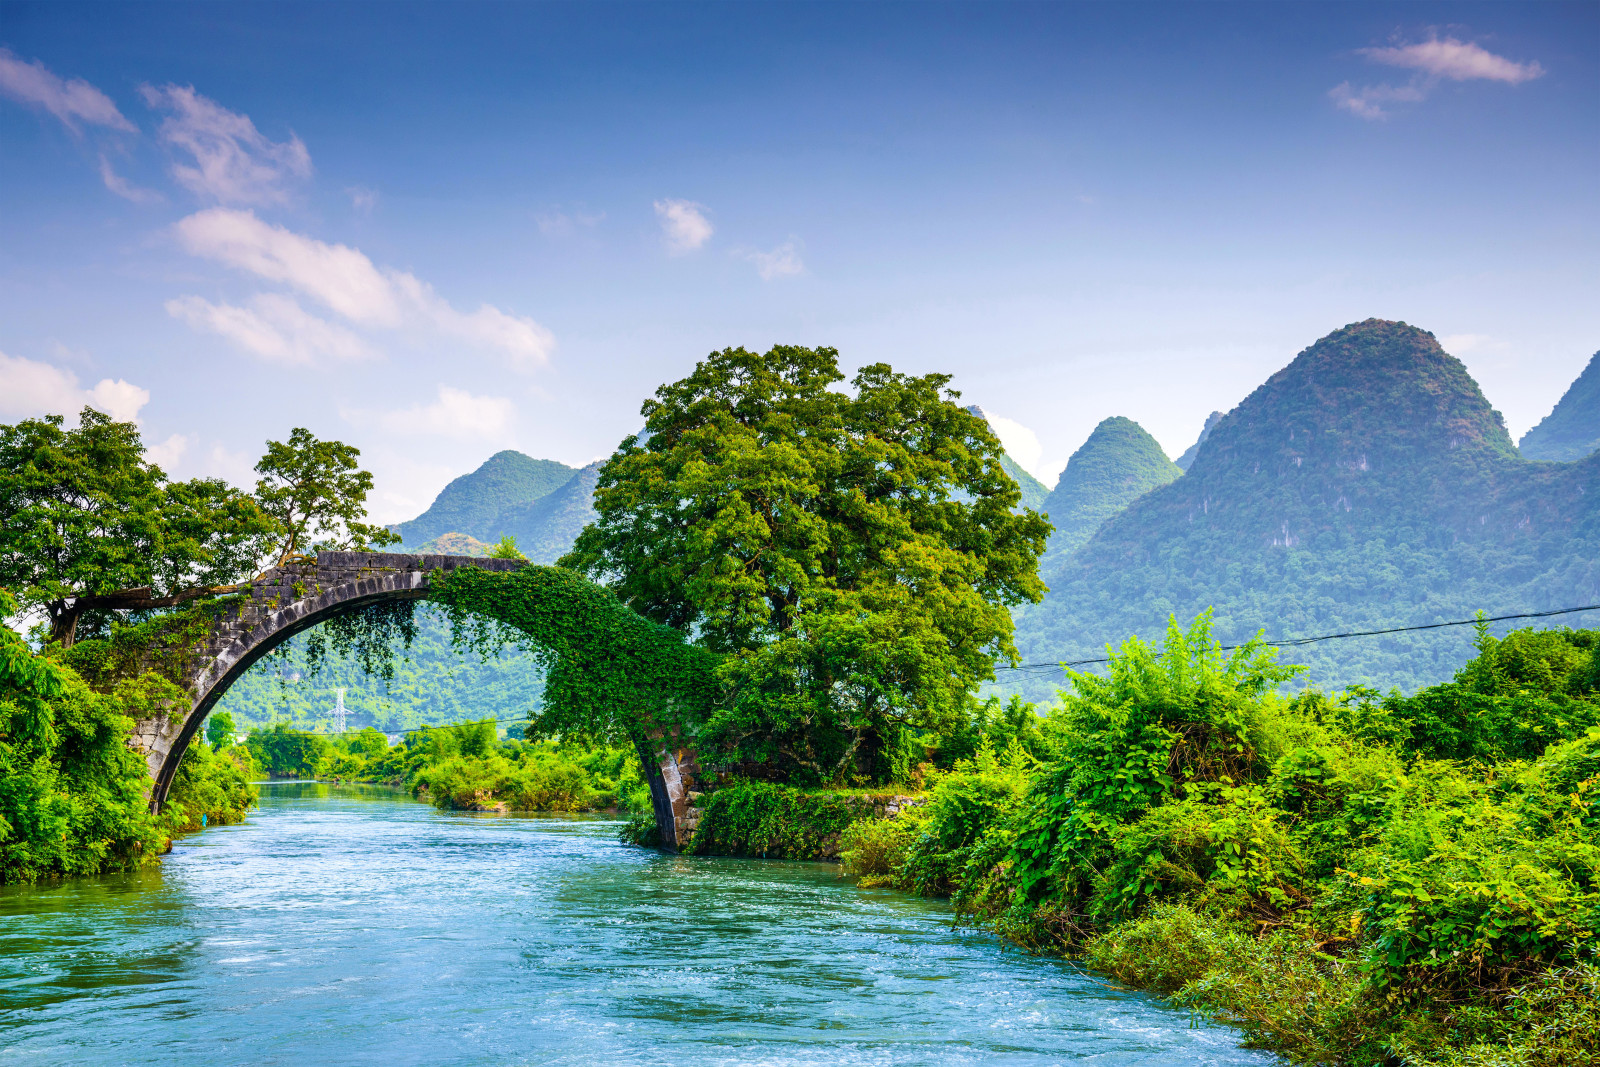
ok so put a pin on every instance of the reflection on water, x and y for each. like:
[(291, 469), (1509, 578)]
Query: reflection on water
[(353, 923)]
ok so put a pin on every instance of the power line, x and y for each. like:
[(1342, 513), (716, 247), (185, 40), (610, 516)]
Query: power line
[(1039, 668)]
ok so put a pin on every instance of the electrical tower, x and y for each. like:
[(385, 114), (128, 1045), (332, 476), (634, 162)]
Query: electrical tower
[(338, 712)]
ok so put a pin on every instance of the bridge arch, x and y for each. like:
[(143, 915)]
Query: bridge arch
[(289, 599)]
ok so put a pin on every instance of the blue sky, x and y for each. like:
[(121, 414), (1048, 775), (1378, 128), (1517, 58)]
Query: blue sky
[(436, 231)]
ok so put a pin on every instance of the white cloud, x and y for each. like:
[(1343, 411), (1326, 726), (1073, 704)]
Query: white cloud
[(275, 327), (781, 262), (1369, 100), (121, 186), (684, 225), (362, 198), (457, 413), (166, 454), (28, 388), (72, 101), (1456, 60), (345, 280), (556, 223), (1459, 344), (1020, 443), (233, 162), (1434, 60)]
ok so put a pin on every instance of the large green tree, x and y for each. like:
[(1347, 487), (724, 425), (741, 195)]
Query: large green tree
[(852, 557), (317, 493), (88, 527)]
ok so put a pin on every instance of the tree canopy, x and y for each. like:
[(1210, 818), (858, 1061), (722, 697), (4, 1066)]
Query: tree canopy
[(317, 493), (851, 557), (88, 526)]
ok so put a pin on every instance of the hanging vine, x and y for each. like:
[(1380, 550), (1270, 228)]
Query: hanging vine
[(610, 673)]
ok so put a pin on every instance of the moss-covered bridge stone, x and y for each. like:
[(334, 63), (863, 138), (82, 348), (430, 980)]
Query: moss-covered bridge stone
[(289, 599)]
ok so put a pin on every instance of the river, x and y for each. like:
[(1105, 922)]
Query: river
[(355, 924)]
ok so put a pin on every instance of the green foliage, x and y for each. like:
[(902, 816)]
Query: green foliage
[(209, 789), (850, 558), (431, 682), (1367, 485), (875, 849), (317, 496), (506, 548), (284, 752), (1510, 702), (88, 527), (220, 730), (1349, 878), (610, 674), (771, 821), (1572, 429), (472, 503), (1119, 463), (72, 793), (540, 776)]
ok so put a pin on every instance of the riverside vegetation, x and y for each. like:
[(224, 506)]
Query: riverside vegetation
[(812, 586), (1353, 878)]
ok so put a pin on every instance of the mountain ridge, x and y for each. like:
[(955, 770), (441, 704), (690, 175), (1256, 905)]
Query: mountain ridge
[(1572, 429), (1367, 483)]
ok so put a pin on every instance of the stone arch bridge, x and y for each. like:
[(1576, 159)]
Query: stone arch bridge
[(289, 599)]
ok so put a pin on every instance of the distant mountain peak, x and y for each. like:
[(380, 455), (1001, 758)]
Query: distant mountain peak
[(1119, 463), (1033, 490), (471, 503), (1572, 429), (1205, 431)]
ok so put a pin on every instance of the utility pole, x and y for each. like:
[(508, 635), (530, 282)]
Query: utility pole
[(338, 712)]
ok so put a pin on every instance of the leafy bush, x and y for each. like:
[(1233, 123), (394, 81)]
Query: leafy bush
[(72, 793), (771, 821), (1351, 878), (876, 849)]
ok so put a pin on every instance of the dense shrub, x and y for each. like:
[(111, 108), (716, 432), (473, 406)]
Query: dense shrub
[(73, 795), (772, 821), (1351, 878)]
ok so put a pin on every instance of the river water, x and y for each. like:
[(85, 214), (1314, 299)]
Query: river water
[(356, 924)]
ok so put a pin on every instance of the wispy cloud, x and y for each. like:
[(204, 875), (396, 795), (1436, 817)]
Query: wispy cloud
[(346, 281), (71, 101), (362, 198), (1435, 60), (684, 226), (1368, 101), (167, 454), (1456, 60), (781, 262), (234, 163), (29, 387), (559, 223), (456, 413), (274, 327), (122, 187)]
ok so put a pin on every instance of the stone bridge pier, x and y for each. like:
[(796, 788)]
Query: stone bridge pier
[(289, 599)]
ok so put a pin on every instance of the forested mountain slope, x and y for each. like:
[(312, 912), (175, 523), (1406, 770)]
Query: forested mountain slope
[(545, 528), (1572, 430), (433, 683), (1119, 463), (471, 503), (1367, 484)]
